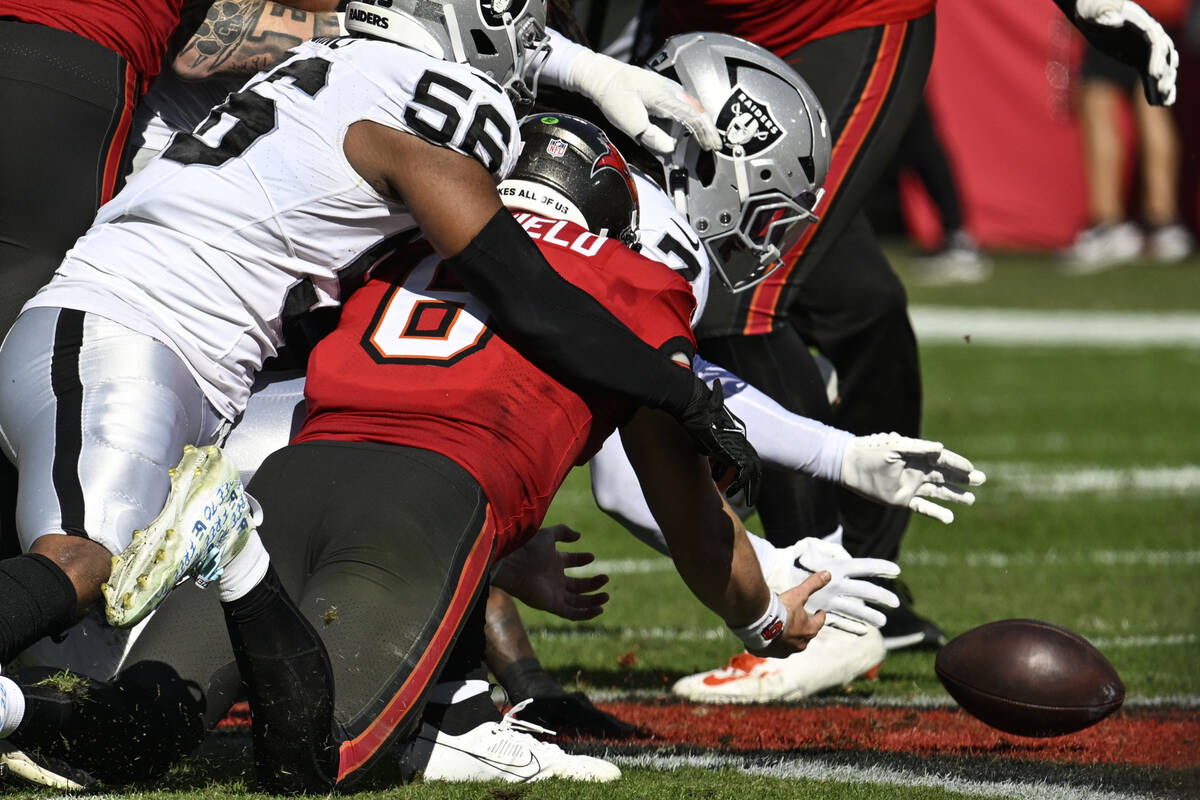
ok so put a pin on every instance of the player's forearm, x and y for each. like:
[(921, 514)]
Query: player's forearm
[(246, 36), (708, 544), (780, 437), (560, 327), (718, 564)]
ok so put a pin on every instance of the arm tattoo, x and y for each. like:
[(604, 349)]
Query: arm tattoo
[(245, 36)]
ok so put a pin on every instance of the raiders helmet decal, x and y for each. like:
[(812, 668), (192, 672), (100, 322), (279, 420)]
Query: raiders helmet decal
[(746, 123)]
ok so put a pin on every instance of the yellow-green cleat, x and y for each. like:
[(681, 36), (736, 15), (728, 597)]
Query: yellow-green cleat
[(207, 518)]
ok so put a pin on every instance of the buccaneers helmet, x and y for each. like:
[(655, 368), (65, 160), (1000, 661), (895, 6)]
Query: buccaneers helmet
[(569, 169)]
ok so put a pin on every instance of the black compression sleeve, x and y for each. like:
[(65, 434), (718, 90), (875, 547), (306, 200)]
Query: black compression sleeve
[(560, 327)]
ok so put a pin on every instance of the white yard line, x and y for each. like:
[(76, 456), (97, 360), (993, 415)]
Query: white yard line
[(1038, 479), (816, 769), (1007, 327)]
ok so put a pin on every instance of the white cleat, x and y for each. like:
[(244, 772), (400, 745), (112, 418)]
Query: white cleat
[(504, 751), (30, 767), (206, 519), (833, 659)]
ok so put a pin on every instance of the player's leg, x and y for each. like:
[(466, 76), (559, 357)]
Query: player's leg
[(68, 104), (862, 326), (792, 506), (393, 583), (869, 82), (399, 561), (93, 415), (1110, 238), (1167, 239)]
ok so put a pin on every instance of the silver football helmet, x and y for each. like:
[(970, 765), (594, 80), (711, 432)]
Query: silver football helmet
[(762, 185), (506, 39)]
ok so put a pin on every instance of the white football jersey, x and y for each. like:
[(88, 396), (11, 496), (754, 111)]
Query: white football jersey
[(667, 237), (174, 104), (258, 208)]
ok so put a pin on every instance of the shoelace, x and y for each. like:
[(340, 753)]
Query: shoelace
[(511, 723)]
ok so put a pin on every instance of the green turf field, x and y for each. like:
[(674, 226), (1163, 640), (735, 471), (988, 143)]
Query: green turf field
[(1119, 565), (1090, 519)]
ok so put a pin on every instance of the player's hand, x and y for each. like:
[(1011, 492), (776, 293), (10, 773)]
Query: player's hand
[(630, 95), (1125, 31), (909, 473), (722, 437), (847, 595), (801, 627), (535, 574)]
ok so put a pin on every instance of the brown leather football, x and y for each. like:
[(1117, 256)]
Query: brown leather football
[(1029, 678)]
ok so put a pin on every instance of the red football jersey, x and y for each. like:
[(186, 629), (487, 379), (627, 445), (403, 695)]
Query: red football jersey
[(414, 362), (783, 25), (135, 29)]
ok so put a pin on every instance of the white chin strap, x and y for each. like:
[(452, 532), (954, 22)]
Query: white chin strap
[(394, 26), (456, 43)]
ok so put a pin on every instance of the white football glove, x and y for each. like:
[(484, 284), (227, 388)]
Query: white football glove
[(898, 471), (629, 95), (1125, 31), (845, 598)]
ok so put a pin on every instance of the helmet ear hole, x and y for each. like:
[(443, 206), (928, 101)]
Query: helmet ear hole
[(482, 43), (765, 174), (706, 168)]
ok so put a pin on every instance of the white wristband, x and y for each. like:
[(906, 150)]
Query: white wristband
[(759, 634)]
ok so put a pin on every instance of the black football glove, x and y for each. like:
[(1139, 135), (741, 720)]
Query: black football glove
[(573, 715), (721, 436)]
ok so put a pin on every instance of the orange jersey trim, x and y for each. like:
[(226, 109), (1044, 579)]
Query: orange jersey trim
[(356, 752), (116, 146)]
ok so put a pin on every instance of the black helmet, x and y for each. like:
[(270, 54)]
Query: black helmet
[(568, 168)]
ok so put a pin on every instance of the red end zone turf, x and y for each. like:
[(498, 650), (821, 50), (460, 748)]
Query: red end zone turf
[(1143, 738), (1136, 738)]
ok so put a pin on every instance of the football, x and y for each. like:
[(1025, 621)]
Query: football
[(1029, 678)]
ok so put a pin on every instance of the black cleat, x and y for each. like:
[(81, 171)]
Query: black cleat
[(906, 629)]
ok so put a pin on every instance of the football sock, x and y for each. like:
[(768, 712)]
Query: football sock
[(528, 678), (39, 599), (12, 706), (290, 681), (467, 711), (244, 571), (457, 691)]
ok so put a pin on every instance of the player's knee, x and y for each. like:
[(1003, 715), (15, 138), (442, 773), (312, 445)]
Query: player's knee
[(85, 562)]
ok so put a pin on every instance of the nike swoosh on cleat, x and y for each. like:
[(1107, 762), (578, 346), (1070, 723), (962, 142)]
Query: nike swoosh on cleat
[(512, 769), (716, 680)]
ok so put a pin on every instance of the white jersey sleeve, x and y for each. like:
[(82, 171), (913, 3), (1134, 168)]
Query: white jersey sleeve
[(258, 209), (667, 237), (782, 439)]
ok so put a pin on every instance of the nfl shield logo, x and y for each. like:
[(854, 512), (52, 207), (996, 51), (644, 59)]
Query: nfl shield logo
[(557, 148)]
